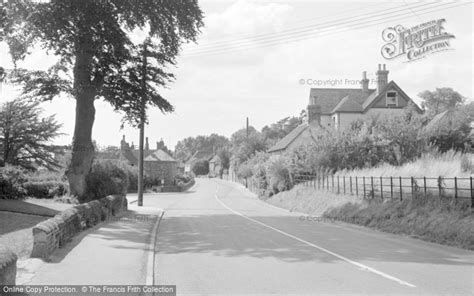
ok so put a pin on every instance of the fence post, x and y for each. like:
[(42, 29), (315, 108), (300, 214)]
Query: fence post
[(363, 180), (323, 181), (381, 188), (350, 182), (440, 180), (424, 185), (401, 189), (337, 184), (455, 188), (357, 187), (332, 177), (412, 187), (472, 195), (372, 185), (391, 187), (344, 183), (319, 181)]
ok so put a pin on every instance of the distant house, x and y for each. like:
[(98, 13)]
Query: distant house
[(336, 108), (157, 163), (197, 156), (448, 121), (215, 166)]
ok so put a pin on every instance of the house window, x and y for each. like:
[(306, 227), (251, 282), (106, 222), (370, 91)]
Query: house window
[(392, 99)]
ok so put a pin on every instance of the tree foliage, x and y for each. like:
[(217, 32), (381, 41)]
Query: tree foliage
[(188, 146), (243, 147), (441, 99), (25, 136), (93, 38), (201, 167)]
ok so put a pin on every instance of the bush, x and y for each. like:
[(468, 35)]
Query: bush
[(46, 189), (278, 173), (11, 182), (107, 177)]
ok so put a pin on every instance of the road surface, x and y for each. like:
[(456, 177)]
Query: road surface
[(219, 239)]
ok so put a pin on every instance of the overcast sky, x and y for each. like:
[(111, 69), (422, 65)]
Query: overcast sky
[(227, 77)]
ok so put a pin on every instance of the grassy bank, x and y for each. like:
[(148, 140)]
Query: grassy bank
[(428, 218), (449, 164)]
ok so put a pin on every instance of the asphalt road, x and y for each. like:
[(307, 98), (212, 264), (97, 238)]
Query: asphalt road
[(220, 239)]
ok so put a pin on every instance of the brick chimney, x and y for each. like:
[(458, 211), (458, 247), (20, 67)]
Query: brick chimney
[(147, 146), (314, 111), (364, 82), (382, 78)]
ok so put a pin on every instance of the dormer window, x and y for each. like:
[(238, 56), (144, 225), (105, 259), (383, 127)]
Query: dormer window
[(392, 99)]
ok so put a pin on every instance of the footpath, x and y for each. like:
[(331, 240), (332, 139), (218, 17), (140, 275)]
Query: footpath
[(116, 252)]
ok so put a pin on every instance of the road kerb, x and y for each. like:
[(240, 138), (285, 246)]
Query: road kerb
[(150, 268)]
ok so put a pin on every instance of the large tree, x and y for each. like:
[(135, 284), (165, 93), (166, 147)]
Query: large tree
[(93, 38), (25, 136), (188, 146), (440, 100)]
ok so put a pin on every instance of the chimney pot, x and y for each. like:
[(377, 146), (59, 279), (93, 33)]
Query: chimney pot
[(364, 82), (382, 78)]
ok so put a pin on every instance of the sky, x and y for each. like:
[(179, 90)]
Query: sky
[(257, 59)]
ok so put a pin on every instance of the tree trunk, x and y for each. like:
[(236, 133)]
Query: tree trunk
[(82, 148)]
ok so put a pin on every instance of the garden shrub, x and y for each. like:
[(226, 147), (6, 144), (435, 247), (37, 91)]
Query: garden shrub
[(278, 173), (46, 189), (11, 182), (107, 177)]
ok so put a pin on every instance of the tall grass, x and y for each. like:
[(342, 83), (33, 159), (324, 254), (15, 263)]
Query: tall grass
[(449, 164)]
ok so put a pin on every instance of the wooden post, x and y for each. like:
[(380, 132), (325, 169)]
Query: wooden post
[(401, 189), (424, 185), (357, 187), (350, 182), (391, 187), (381, 188), (344, 183), (363, 180), (332, 177), (372, 185), (337, 184), (472, 195), (455, 188), (440, 180), (412, 189)]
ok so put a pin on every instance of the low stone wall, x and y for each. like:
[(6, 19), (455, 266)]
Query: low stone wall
[(55, 232), (7, 266)]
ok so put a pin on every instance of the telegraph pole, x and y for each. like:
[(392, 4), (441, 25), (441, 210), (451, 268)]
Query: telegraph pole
[(247, 128), (142, 129)]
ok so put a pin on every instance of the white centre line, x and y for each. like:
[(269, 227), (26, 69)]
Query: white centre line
[(360, 265)]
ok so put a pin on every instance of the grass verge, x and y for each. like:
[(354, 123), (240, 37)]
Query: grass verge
[(428, 218)]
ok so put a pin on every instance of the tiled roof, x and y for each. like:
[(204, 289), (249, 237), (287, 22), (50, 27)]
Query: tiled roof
[(288, 139), (435, 122), (159, 155), (216, 158), (329, 98), (347, 105), (200, 155)]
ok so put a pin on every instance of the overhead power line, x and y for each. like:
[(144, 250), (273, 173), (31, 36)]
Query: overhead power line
[(299, 30), (330, 30)]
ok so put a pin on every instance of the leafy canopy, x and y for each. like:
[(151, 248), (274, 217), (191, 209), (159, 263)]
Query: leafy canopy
[(24, 135), (96, 35)]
